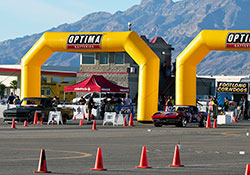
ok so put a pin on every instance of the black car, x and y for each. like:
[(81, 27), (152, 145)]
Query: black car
[(28, 106)]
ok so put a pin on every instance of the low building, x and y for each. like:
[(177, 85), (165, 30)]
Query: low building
[(121, 69), (53, 79)]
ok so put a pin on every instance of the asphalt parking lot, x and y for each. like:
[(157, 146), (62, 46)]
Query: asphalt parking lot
[(71, 149)]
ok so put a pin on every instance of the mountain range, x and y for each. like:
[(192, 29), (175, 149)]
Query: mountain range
[(177, 22)]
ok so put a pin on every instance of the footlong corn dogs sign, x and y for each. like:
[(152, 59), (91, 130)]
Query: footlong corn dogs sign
[(234, 87)]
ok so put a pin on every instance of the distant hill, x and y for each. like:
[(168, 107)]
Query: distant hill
[(178, 23)]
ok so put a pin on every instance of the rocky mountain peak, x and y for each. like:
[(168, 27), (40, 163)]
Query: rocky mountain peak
[(178, 23), (155, 2)]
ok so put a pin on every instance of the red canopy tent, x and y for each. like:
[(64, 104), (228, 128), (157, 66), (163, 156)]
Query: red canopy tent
[(96, 83)]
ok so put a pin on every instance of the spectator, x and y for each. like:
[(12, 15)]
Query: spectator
[(82, 101), (11, 98), (245, 108), (54, 101), (241, 109), (89, 105), (16, 100), (215, 108), (128, 101), (168, 105), (2, 102), (103, 104), (226, 104)]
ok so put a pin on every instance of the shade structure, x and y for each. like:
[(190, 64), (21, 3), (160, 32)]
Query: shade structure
[(96, 83)]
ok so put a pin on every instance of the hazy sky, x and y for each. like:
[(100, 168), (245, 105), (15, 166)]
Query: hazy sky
[(26, 17)]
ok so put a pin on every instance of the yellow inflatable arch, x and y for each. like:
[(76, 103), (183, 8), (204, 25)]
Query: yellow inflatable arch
[(128, 42), (188, 60)]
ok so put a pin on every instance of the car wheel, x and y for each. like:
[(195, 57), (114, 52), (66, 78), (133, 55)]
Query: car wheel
[(182, 123), (157, 124)]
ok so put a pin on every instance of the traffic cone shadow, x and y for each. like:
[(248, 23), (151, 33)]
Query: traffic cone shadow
[(215, 123), (208, 125), (42, 166), (144, 159), (94, 125), (98, 162), (131, 123), (13, 126), (176, 159), (35, 119)]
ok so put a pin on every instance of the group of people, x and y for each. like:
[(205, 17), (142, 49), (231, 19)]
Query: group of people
[(108, 104), (12, 99), (213, 107), (243, 107), (166, 103)]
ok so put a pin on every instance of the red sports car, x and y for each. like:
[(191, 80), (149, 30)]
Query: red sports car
[(180, 116)]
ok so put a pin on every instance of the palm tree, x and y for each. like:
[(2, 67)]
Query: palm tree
[(2, 89), (13, 85)]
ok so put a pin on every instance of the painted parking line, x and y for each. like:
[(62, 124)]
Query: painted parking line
[(78, 156)]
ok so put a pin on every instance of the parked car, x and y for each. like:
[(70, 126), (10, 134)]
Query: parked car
[(26, 110), (180, 116)]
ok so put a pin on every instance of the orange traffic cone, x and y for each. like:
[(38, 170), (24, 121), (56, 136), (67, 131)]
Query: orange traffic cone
[(13, 126), (94, 125), (215, 123), (208, 125), (125, 122), (81, 123), (74, 118), (98, 161), (131, 123), (144, 159), (247, 172), (235, 119), (176, 159), (41, 120), (42, 166), (25, 123), (35, 119)]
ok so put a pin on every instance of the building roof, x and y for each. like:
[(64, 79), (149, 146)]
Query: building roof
[(10, 69)]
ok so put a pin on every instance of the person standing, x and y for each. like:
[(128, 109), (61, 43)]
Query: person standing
[(17, 100), (128, 101), (226, 104), (11, 98), (245, 108), (89, 106)]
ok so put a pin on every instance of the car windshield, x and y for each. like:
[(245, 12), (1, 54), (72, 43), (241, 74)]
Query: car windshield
[(31, 102)]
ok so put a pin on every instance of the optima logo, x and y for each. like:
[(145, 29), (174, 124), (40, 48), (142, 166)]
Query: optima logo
[(238, 40), (84, 41)]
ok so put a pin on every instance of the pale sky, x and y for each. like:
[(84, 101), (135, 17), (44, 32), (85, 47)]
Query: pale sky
[(26, 17)]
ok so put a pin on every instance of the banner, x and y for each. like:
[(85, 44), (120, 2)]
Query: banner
[(233, 87)]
